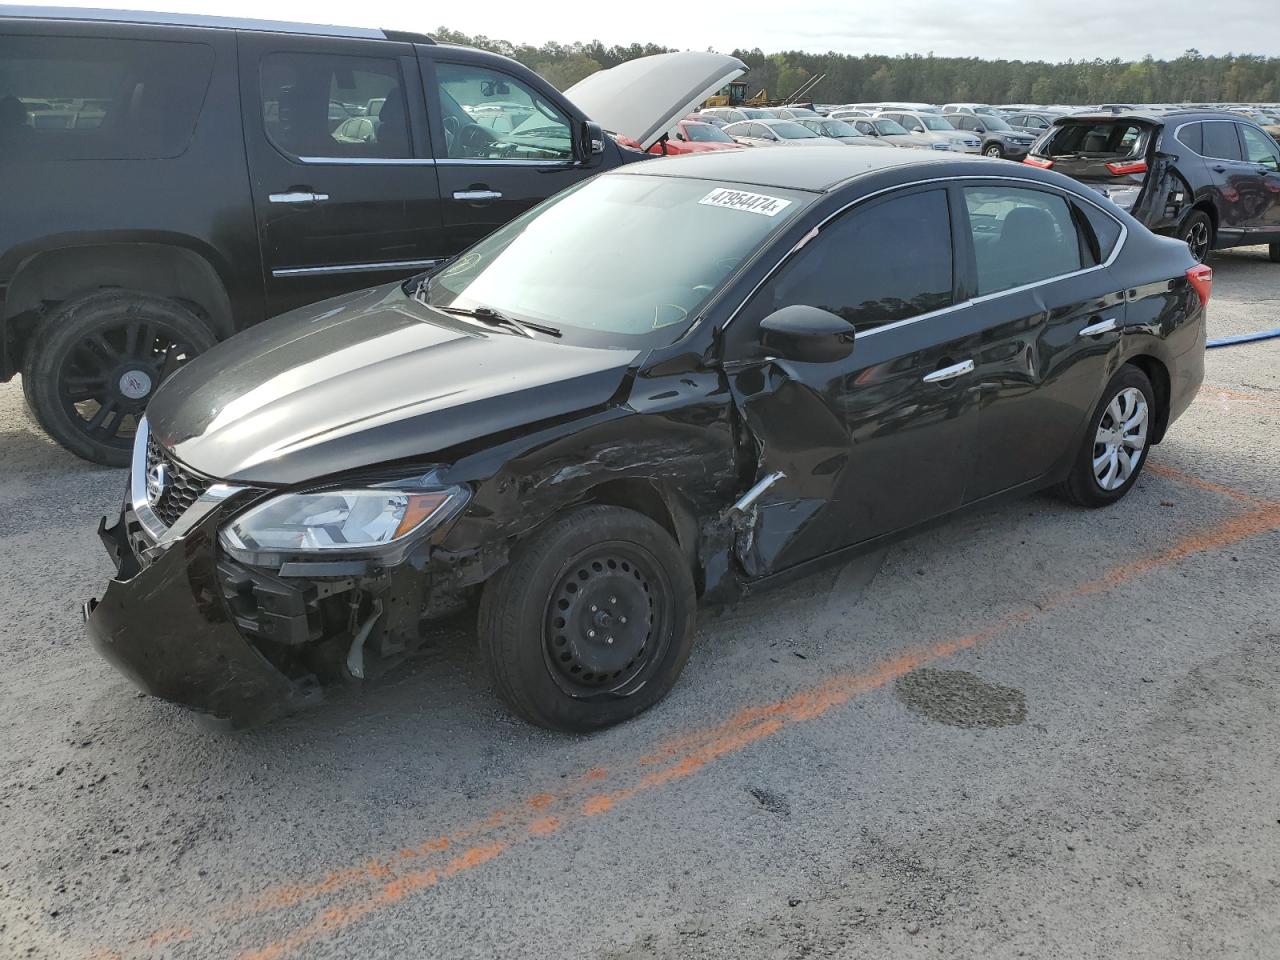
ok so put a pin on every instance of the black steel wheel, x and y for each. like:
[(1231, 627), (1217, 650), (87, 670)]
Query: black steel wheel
[(1274, 252), (93, 364), (592, 620), (1197, 234)]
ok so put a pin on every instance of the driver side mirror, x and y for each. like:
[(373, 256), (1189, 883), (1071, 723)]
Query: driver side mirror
[(589, 143), (806, 334)]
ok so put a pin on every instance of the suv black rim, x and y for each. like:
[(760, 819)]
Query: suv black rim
[(108, 377), (608, 621), (1198, 240)]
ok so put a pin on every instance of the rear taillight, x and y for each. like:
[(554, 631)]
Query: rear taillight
[(1122, 167), (1040, 162), (1201, 279)]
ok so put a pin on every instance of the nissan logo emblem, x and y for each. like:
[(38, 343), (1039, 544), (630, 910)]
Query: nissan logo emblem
[(157, 481)]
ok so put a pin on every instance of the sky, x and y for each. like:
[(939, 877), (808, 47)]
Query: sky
[(994, 29)]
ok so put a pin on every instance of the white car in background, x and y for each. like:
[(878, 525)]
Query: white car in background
[(934, 128), (890, 133), (978, 109), (774, 133)]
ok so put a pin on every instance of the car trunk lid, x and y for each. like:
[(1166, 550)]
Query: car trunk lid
[(642, 98), (1111, 154)]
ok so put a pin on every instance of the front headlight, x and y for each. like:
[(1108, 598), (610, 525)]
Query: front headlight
[(372, 521)]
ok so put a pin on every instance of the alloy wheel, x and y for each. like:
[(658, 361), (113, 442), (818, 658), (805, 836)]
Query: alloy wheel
[(994, 151), (1121, 439), (107, 378), (1198, 240)]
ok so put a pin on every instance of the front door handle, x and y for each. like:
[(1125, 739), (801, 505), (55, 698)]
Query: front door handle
[(297, 196), (1219, 168), (474, 196), (1102, 326), (949, 373)]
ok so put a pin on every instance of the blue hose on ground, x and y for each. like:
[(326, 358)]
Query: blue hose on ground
[(1243, 338)]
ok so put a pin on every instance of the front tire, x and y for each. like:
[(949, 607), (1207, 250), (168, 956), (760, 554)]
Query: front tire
[(94, 362), (1274, 252), (591, 622), (994, 151), (1116, 444), (1197, 234)]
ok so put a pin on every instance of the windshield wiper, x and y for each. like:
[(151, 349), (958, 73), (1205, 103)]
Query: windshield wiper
[(495, 319)]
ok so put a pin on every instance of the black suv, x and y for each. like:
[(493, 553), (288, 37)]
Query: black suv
[(1207, 177), (170, 180)]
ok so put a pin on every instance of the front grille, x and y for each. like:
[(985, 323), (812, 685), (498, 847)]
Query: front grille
[(182, 487)]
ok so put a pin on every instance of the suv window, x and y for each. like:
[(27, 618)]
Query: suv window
[(1220, 140), (493, 116), (873, 266), (1259, 148), (1020, 236), (1104, 140), (307, 99), (1192, 137), (73, 98)]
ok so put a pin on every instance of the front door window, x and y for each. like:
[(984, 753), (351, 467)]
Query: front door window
[(489, 115)]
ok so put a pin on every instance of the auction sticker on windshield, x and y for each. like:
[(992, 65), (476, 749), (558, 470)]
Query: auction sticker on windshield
[(742, 200)]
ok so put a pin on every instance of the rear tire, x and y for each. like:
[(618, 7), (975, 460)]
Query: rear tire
[(597, 574), (1116, 444), (93, 363), (1197, 233)]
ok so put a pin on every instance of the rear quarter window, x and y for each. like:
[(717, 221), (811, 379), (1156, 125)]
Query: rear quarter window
[(79, 98), (1191, 136)]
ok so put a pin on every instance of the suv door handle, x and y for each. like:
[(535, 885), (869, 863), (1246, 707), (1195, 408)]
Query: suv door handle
[(1219, 168), (477, 195), (297, 196), (1102, 326), (949, 373)]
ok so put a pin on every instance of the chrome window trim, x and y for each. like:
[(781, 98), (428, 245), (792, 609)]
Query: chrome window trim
[(1039, 184), (486, 162), (370, 161), (1204, 156), (339, 268)]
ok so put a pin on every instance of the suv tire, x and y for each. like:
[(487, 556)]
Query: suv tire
[(993, 150), (1197, 233), (1083, 486), (591, 622), (1274, 252), (93, 363)]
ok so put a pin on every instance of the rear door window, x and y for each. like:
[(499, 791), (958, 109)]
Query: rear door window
[(1021, 236), (1192, 137), (308, 98), (1220, 140), (77, 98)]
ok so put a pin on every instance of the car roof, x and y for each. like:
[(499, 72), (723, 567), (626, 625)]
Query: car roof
[(817, 170), (1150, 116), (148, 18)]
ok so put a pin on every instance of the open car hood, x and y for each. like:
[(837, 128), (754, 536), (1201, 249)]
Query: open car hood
[(642, 98)]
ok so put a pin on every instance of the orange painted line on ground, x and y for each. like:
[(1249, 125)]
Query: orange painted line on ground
[(694, 752), (1172, 473), (761, 722), (1211, 392)]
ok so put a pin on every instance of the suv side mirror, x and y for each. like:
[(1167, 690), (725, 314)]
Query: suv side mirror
[(806, 334), (589, 143)]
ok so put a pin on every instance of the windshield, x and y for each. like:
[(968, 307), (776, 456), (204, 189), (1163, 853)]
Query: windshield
[(838, 128), (992, 122), (705, 132), (790, 130), (622, 260), (986, 111), (889, 128), (802, 113), (935, 123), (754, 114)]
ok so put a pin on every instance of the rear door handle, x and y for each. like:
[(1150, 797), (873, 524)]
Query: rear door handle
[(297, 196), (1219, 168), (1102, 326), (949, 373), (473, 196)]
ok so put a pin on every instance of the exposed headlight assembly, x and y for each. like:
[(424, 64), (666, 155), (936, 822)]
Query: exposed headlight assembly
[(379, 522)]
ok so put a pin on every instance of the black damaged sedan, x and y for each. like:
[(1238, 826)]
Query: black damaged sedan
[(679, 380)]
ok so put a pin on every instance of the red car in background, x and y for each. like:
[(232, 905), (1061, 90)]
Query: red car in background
[(688, 136)]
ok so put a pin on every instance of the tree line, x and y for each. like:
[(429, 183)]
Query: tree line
[(929, 79)]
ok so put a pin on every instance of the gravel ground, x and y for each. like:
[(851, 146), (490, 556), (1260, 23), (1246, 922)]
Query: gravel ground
[(1036, 731)]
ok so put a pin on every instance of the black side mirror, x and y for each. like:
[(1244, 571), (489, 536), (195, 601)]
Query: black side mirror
[(588, 145), (806, 334)]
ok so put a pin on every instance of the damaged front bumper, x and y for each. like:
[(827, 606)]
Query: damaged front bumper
[(167, 628)]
